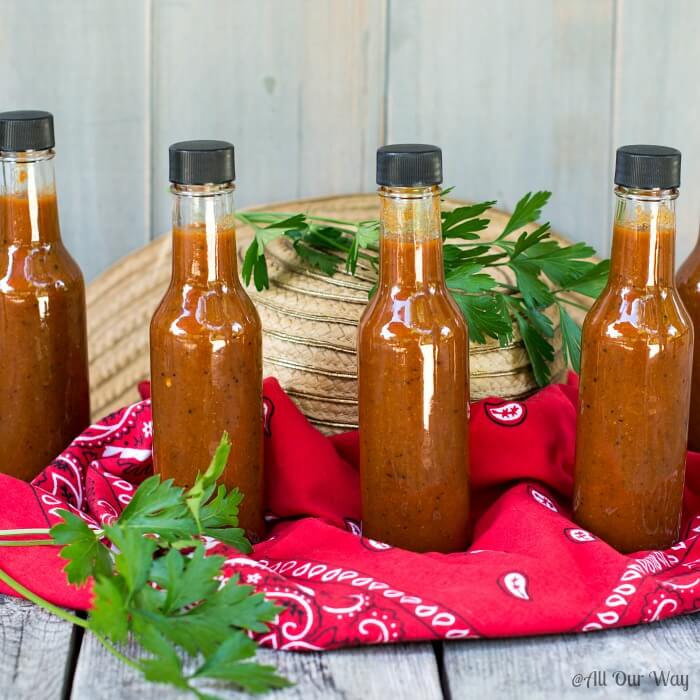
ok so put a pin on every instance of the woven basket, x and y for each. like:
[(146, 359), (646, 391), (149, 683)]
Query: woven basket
[(309, 325)]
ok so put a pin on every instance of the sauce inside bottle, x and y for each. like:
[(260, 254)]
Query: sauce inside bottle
[(206, 342), (413, 370), (688, 281), (43, 340), (636, 358)]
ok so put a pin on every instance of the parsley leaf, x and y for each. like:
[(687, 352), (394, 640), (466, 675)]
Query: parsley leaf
[(592, 282), (165, 666), (86, 555), (186, 580), (158, 506), (328, 264), (109, 615), (451, 218), (367, 235), (535, 292), (541, 352), (487, 316), (218, 515), (249, 260), (134, 556), (204, 484), (571, 336), (527, 210), (224, 664)]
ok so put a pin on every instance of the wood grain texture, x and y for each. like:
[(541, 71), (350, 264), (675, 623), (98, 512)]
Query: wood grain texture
[(544, 667), (657, 96), (402, 672), (34, 651), (297, 86), (84, 60), (518, 95)]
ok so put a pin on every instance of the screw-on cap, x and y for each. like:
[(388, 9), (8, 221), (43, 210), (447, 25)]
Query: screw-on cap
[(409, 165), (202, 162), (648, 167), (26, 130)]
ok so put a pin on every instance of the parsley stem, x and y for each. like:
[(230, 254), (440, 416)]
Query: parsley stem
[(26, 531), (25, 543), (271, 217), (562, 300), (38, 600)]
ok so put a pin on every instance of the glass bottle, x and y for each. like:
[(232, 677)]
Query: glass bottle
[(688, 281), (43, 340), (636, 356), (206, 342), (413, 370)]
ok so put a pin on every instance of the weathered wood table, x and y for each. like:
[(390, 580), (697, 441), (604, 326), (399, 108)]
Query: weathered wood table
[(43, 657)]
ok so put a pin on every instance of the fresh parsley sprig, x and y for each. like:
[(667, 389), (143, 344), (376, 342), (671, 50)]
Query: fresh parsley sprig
[(152, 581), (544, 271)]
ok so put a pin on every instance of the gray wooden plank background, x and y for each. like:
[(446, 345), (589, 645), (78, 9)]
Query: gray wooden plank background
[(520, 95), (86, 61)]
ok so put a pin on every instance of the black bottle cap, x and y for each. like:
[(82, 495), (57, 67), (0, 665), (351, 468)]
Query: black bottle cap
[(26, 130), (202, 162), (648, 167), (409, 165)]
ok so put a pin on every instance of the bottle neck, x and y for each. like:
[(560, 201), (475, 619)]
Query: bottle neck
[(204, 234), (411, 237), (28, 206), (644, 236)]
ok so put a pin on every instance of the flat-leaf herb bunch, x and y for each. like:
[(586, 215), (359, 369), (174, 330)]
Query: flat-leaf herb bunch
[(156, 584), (544, 270)]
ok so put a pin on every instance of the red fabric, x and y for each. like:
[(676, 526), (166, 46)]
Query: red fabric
[(530, 569)]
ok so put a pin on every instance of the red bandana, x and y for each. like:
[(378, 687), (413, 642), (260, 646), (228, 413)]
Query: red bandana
[(530, 569)]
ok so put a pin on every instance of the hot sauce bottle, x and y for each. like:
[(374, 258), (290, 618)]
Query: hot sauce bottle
[(688, 280), (206, 347), (44, 384), (413, 370), (636, 356)]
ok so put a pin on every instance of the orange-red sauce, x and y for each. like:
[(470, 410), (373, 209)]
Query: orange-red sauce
[(43, 342), (635, 384), (414, 404), (206, 370), (688, 281)]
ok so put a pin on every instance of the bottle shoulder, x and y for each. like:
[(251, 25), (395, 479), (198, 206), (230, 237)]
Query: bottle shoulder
[(216, 309), (418, 314), (39, 268), (626, 312)]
